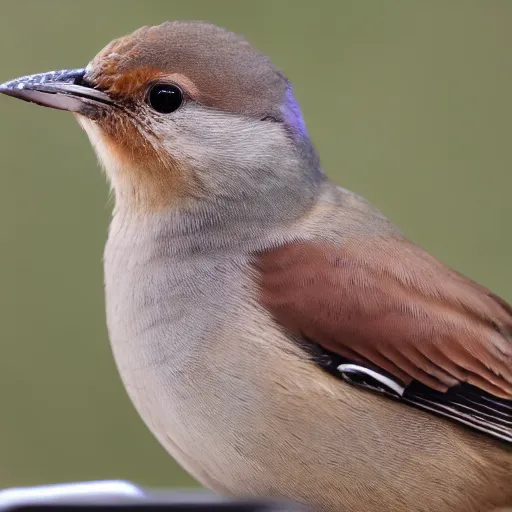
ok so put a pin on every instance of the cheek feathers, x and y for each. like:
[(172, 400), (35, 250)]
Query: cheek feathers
[(101, 145), (142, 174), (118, 148)]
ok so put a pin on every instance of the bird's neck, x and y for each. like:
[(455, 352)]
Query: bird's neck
[(171, 259), (238, 218), (173, 281), (173, 277), (223, 166)]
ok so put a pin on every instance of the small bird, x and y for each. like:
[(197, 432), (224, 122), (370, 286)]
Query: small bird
[(277, 333)]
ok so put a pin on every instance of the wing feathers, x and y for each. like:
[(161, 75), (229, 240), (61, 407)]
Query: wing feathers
[(386, 301)]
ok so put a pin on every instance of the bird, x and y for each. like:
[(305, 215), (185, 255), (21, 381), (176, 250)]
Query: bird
[(278, 335)]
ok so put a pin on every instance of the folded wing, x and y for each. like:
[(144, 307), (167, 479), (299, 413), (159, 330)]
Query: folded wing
[(384, 303)]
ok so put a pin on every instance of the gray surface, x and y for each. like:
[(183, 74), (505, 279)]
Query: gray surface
[(121, 493)]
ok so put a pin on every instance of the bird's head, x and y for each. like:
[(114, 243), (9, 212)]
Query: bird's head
[(184, 112)]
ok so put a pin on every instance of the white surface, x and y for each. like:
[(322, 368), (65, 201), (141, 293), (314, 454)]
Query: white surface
[(72, 493), (391, 384)]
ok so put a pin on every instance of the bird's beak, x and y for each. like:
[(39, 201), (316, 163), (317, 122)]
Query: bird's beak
[(63, 90)]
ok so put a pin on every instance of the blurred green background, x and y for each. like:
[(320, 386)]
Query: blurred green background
[(407, 101)]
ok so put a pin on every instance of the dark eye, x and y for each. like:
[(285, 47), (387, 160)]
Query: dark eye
[(165, 98)]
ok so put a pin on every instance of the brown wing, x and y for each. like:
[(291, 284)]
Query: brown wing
[(386, 301)]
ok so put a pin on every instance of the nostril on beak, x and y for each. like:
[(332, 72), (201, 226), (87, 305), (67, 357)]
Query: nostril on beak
[(80, 80)]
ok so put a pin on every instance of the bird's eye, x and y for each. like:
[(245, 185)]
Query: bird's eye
[(165, 98)]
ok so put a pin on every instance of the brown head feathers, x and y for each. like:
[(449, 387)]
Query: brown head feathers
[(238, 124), (219, 68)]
